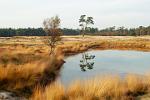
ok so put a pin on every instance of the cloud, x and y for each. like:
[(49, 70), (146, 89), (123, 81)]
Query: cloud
[(106, 13)]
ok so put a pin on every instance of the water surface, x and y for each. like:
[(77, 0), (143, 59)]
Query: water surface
[(102, 62)]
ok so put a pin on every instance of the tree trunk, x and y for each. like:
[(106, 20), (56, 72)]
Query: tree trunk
[(83, 34)]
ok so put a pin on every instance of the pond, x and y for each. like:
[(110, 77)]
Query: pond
[(104, 62)]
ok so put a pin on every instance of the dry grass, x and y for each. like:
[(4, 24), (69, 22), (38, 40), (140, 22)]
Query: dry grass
[(22, 79), (25, 64), (18, 59), (106, 88), (73, 45), (23, 67)]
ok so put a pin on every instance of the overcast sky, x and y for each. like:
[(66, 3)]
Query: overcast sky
[(106, 13)]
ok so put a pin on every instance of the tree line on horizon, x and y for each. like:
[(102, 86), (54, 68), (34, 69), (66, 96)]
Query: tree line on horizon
[(111, 31)]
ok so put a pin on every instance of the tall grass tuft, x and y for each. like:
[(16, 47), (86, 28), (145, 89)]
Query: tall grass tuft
[(106, 88), (24, 78)]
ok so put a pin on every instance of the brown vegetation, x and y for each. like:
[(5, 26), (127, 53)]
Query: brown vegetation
[(106, 88), (24, 77), (100, 43), (26, 64)]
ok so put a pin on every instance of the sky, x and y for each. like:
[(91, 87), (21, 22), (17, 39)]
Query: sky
[(106, 13)]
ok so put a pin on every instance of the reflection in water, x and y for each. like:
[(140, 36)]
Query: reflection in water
[(106, 62), (87, 62)]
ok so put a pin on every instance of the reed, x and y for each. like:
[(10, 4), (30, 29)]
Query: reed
[(106, 88), (24, 78)]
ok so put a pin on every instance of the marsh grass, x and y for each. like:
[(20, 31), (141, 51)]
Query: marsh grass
[(22, 79), (132, 43), (25, 65), (19, 59), (106, 88)]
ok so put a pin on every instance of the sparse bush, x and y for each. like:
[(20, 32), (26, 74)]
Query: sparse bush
[(51, 27)]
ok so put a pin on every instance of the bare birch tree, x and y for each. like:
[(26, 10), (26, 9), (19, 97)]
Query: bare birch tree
[(53, 32)]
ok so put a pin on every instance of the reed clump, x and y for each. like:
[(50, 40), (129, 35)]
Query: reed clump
[(22, 79), (106, 88)]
